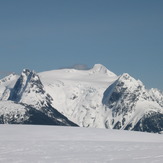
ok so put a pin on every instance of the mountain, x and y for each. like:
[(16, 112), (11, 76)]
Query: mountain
[(89, 98), (132, 107), (29, 101)]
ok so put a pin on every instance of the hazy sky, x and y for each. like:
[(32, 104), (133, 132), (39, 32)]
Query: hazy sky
[(123, 35)]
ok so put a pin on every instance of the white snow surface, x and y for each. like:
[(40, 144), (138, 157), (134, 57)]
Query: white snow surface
[(51, 144)]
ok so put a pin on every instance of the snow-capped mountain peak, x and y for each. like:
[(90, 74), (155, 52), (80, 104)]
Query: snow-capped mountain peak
[(124, 83), (30, 90), (125, 89), (129, 81), (130, 104), (99, 68)]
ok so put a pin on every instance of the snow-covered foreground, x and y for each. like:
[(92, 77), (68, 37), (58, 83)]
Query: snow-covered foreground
[(39, 144)]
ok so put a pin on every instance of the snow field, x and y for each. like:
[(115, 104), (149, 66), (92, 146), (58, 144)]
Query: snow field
[(50, 144)]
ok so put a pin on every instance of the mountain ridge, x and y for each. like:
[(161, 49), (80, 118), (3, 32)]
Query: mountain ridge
[(91, 98)]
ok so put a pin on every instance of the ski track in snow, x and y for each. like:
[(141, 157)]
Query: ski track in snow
[(50, 144)]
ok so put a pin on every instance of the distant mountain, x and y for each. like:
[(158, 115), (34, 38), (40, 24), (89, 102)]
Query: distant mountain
[(89, 98)]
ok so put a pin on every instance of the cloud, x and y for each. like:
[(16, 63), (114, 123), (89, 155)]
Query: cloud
[(78, 67)]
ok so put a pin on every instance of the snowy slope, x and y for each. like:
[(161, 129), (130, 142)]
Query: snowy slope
[(6, 84), (11, 112), (78, 94), (42, 144), (156, 96)]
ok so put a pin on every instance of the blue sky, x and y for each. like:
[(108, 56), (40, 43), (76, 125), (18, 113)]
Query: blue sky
[(123, 35)]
